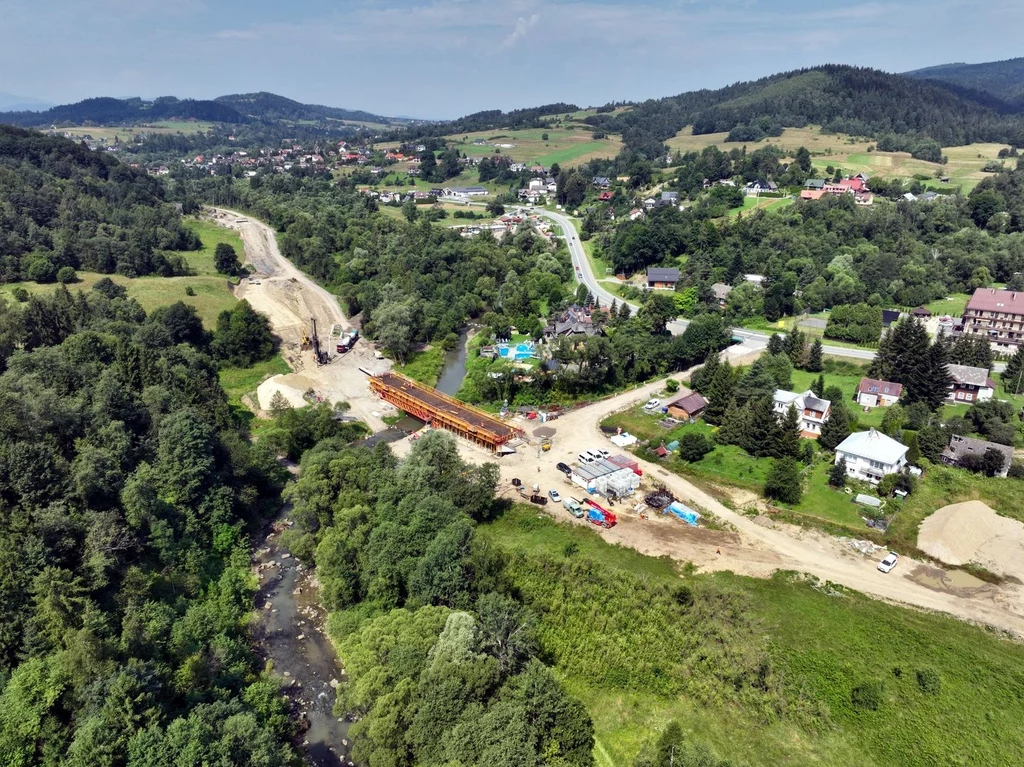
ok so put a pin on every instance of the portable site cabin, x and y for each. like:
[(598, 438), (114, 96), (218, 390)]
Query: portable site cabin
[(604, 477)]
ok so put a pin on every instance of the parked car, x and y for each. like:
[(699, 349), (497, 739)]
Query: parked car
[(652, 405), (887, 564), (603, 453), (554, 496), (564, 468), (584, 458)]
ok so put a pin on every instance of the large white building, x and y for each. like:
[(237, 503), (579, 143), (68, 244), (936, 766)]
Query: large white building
[(813, 411), (870, 455)]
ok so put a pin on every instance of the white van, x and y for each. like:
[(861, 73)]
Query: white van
[(585, 458), (594, 455)]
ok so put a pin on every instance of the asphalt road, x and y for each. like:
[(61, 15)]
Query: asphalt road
[(751, 338)]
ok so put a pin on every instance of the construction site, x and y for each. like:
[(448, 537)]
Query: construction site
[(443, 412)]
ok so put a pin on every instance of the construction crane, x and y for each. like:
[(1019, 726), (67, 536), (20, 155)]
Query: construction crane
[(318, 354)]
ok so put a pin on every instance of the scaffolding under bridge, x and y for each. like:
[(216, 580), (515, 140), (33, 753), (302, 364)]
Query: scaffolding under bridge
[(443, 412)]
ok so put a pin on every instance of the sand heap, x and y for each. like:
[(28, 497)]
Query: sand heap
[(972, 532), (291, 385)]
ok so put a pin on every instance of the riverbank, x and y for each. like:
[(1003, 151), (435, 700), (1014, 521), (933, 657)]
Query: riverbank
[(289, 636)]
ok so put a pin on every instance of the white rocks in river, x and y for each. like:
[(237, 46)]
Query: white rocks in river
[(335, 683), (286, 556)]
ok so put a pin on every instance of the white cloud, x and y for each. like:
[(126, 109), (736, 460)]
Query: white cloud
[(519, 31)]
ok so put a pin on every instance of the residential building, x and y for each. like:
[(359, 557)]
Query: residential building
[(464, 191), (812, 194), (812, 410), (870, 455), (721, 291), (817, 184), (602, 182), (960, 447), (997, 315), (662, 278), (970, 384), (755, 188), (686, 406), (871, 392), (574, 321)]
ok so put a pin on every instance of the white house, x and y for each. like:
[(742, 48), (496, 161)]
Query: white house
[(872, 392), (970, 384), (812, 410), (870, 455)]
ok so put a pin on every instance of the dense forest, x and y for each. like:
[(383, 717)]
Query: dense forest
[(844, 99), (127, 493), (1002, 79), (64, 207)]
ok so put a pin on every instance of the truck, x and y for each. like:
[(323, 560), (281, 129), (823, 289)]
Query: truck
[(574, 507), (347, 341), (596, 515)]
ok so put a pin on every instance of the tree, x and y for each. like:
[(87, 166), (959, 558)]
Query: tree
[(893, 420), (783, 481), (814, 361), (720, 394), (837, 473), (693, 446), (735, 425), (796, 347), (913, 449), (835, 429), (775, 344), (790, 434), (993, 462), (702, 377), (225, 259), (1013, 377), (818, 386), (658, 309), (764, 433), (242, 337)]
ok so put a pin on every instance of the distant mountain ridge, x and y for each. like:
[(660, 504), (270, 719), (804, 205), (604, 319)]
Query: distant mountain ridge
[(231, 109), (1002, 79), (12, 102)]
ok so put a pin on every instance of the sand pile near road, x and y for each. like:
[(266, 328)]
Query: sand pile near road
[(291, 385), (972, 532)]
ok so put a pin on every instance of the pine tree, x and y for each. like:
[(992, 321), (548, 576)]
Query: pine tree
[(883, 366), (818, 387), (789, 434), (814, 361), (913, 448), (757, 382), (837, 474), (1013, 376), (720, 394), (705, 374), (835, 429), (735, 425), (783, 481), (624, 311), (775, 344), (764, 434), (613, 310), (932, 386), (796, 347)]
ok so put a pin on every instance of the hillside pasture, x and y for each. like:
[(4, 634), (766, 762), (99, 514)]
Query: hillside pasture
[(850, 153), (128, 133), (566, 147)]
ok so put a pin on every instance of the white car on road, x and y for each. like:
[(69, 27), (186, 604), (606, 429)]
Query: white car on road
[(887, 564)]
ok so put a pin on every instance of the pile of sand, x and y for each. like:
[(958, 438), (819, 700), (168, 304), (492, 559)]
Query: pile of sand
[(291, 385), (972, 532)]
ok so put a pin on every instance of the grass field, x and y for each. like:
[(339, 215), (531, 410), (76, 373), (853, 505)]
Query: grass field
[(851, 154), (424, 366), (566, 147), (128, 133), (212, 295), (750, 204), (953, 305), (819, 643)]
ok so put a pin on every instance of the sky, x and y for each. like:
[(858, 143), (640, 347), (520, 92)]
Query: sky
[(446, 58)]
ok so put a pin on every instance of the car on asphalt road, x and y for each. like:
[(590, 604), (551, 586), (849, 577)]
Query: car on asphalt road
[(564, 468), (554, 496), (887, 564)]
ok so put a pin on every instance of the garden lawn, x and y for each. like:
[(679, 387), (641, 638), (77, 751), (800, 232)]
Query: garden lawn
[(952, 305), (825, 502)]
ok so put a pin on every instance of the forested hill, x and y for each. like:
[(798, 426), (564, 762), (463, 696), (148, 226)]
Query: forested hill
[(64, 207), (232, 109), (843, 99), (271, 107), (1002, 79)]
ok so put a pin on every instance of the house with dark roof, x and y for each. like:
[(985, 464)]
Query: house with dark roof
[(662, 278), (970, 384), (755, 188), (921, 313), (686, 407), (872, 392), (574, 321), (602, 182), (889, 316), (667, 198), (959, 448), (721, 291), (812, 410), (816, 184)]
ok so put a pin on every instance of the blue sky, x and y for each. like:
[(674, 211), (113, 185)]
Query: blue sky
[(449, 57)]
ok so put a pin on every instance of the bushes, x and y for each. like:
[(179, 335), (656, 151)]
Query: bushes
[(859, 323), (869, 695), (929, 680)]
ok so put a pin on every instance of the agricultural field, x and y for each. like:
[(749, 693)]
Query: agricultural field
[(851, 154), (849, 680), (566, 147), (128, 133), (750, 204), (212, 294)]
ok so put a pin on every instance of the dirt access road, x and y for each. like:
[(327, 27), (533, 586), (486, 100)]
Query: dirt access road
[(281, 291), (289, 298), (752, 547)]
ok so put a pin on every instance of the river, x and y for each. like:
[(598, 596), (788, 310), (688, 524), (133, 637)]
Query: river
[(454, 371), (291, 634)]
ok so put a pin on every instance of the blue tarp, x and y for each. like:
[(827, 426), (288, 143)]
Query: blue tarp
[(688, 515)]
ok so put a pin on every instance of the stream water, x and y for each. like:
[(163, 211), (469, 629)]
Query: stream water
[(291, 635), (454, 371)]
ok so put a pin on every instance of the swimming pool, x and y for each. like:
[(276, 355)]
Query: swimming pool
[(520, 351)]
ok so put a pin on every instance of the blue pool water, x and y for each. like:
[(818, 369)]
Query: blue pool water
[(522, 351)]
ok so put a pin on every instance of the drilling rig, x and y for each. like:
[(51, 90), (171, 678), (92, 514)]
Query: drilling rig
[(319, 355)]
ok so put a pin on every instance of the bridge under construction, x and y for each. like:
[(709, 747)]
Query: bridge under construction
[(443, 412)]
